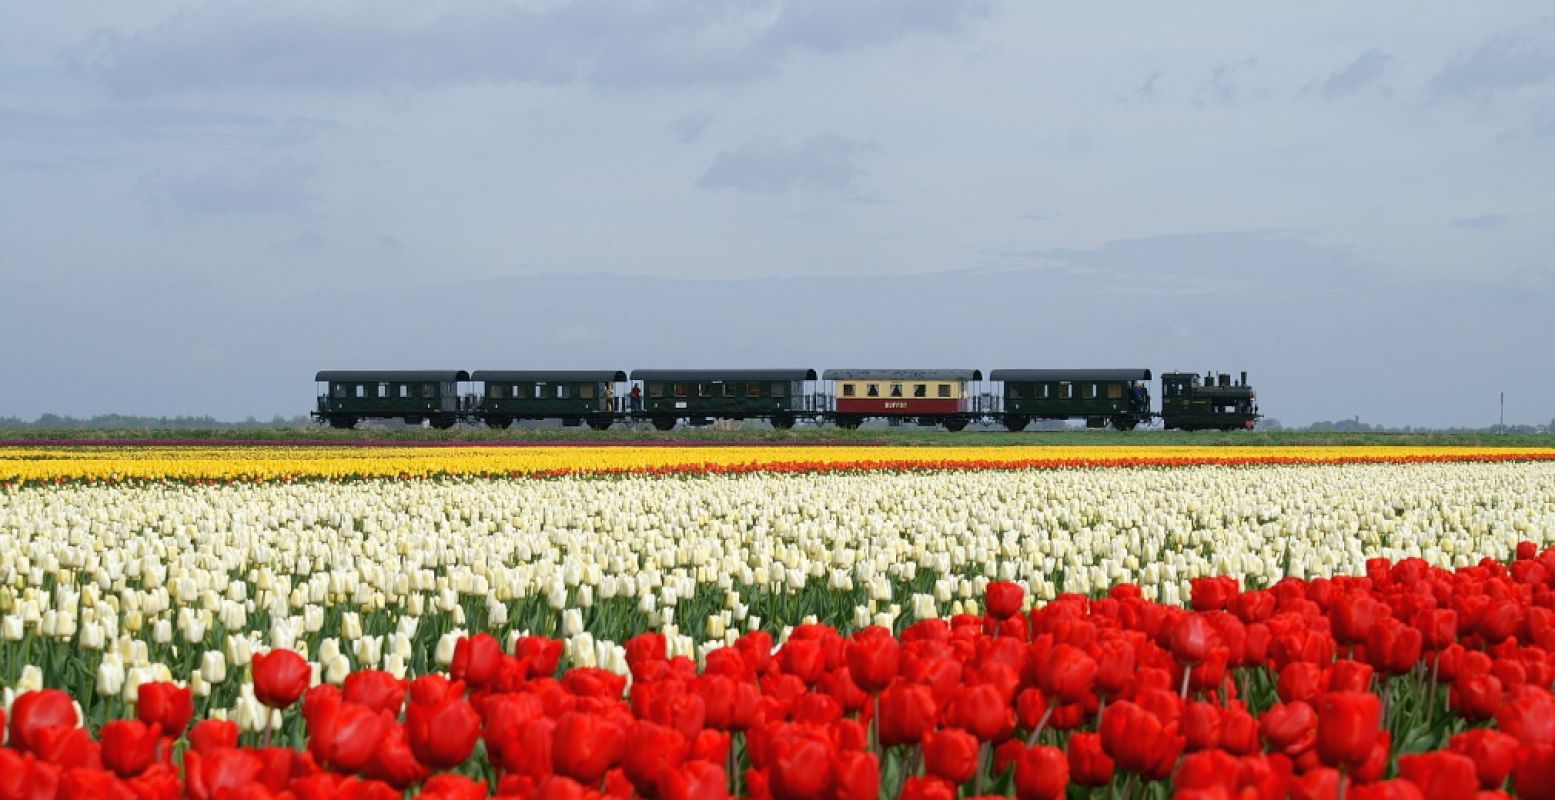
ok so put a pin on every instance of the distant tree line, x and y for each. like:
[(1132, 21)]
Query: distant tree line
[(108, 422), (1356, 426)]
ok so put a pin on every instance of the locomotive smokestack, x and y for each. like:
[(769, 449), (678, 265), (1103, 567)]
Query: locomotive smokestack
[(1244, 378)]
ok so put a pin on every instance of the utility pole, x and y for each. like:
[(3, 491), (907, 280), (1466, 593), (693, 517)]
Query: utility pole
[(1503, 412)]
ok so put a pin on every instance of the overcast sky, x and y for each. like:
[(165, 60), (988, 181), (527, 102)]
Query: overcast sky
[(202, 204)]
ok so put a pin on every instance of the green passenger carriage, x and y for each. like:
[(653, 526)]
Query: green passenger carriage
[(702, 395), (573, 396), (348, 396), (1099, 396)]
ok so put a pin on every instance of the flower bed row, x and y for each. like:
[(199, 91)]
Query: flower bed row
[(1409, 682), (25, 466)]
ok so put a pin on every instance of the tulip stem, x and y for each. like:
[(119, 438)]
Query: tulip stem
[(1041, 723), (982, 768), (1187, 672)]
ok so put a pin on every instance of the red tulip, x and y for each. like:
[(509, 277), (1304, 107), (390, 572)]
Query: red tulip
[(1289, 727), (1115, 661), (280, 677), (800, 767), (448, 786), (1376, 764), (1238, 732), (1494, 754), (805, 659), (1441, 775), (1348, 676), (1393, 647), (375, 689), (981, 710), (66, 746), (855, 776), (1353, 615), (1207, 771), (1534, 775), (1003, 599), (1530, 717), (1300, 680), (1193, 638), (1041, 773), (951, 754), (213, 734), (1476, 696), (1438, 627), (220, 772), (35, 711), (477, 660), (442, 735), (1200, 726), (907, 712), (586, 745), (393, 762), (653, 751), (1067, 673), (1138, 742), (927, 787), (129, 746), (167, 705), (873, 656), (1347, 725), (694, 780), (346, 735), (1089, 764)]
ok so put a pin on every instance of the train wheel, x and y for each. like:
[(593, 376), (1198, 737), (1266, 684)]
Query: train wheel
[(849, 423), (1016, 422), (443, 423), (599, 424), (342, 423), (498, 423), (782, 421), (664, 423), (955, 425), (1124, 423)]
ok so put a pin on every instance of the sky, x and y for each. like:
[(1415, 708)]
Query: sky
[(202, 204)]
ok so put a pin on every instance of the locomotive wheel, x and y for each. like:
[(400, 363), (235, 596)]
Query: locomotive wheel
[(1124, 423), (599, 424), (498, 423), (955, 425), (1016, 422), (782, 421), (664, 423), (342, 423)]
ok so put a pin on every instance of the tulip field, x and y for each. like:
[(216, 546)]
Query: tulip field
[(776, 622)]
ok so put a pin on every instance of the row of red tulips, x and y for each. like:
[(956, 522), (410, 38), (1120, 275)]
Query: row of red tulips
[(1409, 682)]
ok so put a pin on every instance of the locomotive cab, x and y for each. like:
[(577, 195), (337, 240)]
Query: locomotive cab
[(1215, 403)]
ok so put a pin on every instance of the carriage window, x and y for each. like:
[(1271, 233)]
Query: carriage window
[(920, 390), (847, 390), (655, 390), (778, 390), (682, 389), (586, 391), (1040, 391), (496, 390), (562, 391), (896, 390), (1115, 391), (383, 390), (729, 390), (704, 390), (404, 390), (752, 390), (337, 389), (361, 390), (1015, 392), (429, 390), (1087, 390), (1063, 391), (944, 390), (873, 390)]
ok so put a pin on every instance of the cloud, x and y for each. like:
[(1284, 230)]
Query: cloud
[(1484, 222), (278, 187), (1223, 88), (826, 163), (366, 45), (1501, 63), (1367, 69), (689, 127)]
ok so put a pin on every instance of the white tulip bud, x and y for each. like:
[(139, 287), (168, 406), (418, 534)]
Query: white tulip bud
[(213, 666)]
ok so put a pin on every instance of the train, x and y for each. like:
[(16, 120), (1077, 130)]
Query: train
[(846, 398)]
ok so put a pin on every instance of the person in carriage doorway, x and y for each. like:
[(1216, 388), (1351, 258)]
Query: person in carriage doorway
[(637, 397), (610, 397)]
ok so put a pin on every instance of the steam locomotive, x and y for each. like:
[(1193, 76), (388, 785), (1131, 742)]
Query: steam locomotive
[(952, 398)]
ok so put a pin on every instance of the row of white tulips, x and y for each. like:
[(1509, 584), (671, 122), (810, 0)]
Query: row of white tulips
[(187, 582)]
